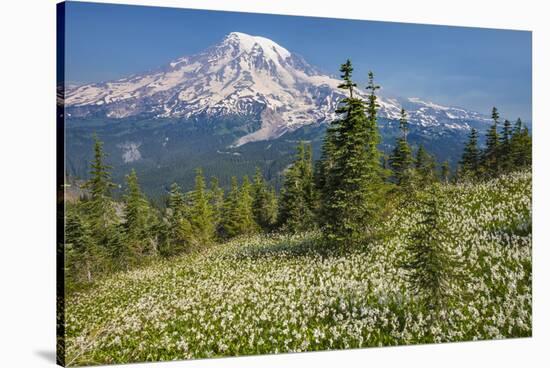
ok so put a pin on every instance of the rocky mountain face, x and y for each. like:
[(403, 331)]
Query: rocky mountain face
[(248, 77)]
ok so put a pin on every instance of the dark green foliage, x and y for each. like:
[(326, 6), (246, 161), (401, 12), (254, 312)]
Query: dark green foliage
[(352, 186), (470, 163), (121, 250), (504, 152), (520, 146), (326, 163), (377, 173), (445, 172), (99, 208), (491, 163), (230, 225), (401, 160), (83, 256), (346, 69), (430, 266), (176, 231), (264, 204), (201, 213), (139, 240), (238, 214), (216, 199), (245, 215), (505, 147), (297, 207), (425, 167)]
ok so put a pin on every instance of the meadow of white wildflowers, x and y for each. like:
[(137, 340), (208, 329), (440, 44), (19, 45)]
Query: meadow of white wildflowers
[(271, 294)]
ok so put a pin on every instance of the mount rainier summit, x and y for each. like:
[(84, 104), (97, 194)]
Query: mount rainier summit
[(246, 76)]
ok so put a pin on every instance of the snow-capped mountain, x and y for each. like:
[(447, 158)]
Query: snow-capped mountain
[(244, 75)]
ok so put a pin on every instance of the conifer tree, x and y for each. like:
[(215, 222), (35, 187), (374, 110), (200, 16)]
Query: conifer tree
[(347, 84), (245, 215), (401, 158), (491, 163), (350, 197), (470, 163), (515, 147), (272, 207), (178, 228), (82, 254), (377, 175), (230, 224), (120, 254), (518, 126), (429, 264), (138, 221), (326, 162), (525, 158), (520, 146), (425, 166), (99, 208), (505, 147), (176, 201), (297, 211), (264, 213), (445, 172), (216, 199), (201, 213)]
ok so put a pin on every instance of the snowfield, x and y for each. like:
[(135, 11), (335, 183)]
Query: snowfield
[(273, 294)]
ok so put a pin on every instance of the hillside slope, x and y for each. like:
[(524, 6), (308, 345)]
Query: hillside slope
[(279, 294)]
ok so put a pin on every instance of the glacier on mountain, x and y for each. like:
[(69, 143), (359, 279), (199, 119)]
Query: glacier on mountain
[(248, 76)]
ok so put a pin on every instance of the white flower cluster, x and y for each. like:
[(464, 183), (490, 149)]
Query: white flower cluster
[(270, 294)]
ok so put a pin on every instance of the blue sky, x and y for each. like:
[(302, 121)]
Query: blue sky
[(469, 67)]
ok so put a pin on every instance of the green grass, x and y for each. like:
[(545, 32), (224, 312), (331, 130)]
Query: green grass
[(272, 294)]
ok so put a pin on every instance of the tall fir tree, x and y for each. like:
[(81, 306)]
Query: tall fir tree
[(178, 231), (201, 212), (326, 162), (470, 162), (83, 256), (139, 219), (401, 159), (350, 197), (520, 146), (429, 265), (491, 162), (230, 218), (99, 208), (297, 206), (264, 213), (347, 83), (216, 199), (238, 212), (505, 147), (244, 211), (272, 207), (525, 159), (425, 166), (377, 174)]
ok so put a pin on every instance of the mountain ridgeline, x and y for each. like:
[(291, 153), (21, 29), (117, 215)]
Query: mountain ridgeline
[(240, 104)]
